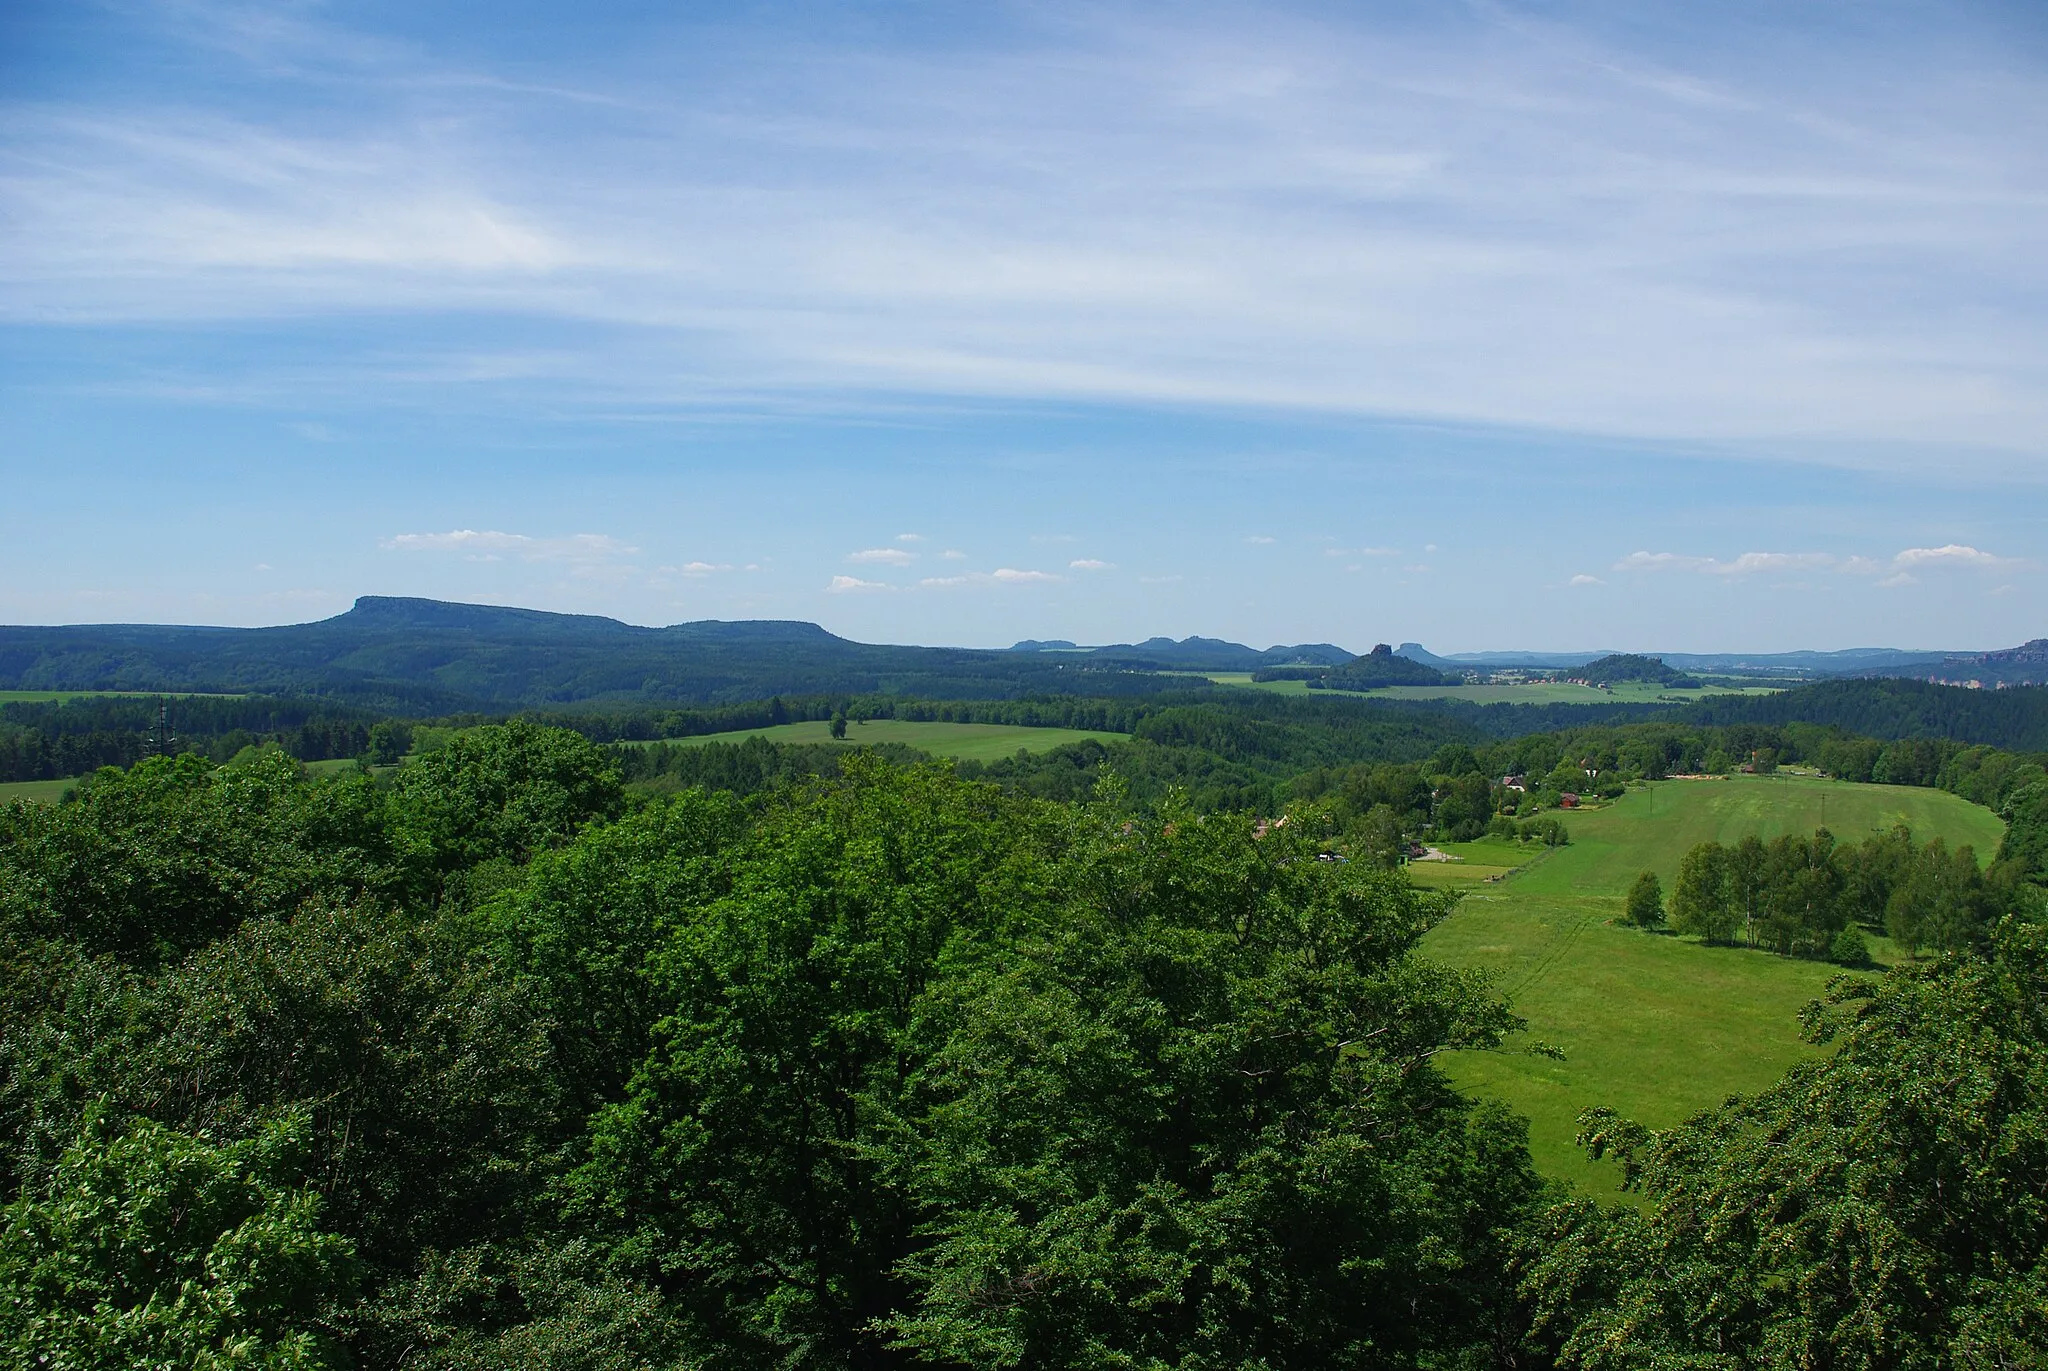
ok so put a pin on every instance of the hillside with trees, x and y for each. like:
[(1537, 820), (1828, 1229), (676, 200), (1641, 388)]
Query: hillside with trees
[(1379, 668), (1628, 666)]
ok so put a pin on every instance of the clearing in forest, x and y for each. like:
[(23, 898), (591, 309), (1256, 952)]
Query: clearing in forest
[(1654, 1025), (972, 742)]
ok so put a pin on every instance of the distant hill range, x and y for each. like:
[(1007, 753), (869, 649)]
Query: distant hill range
[(1380, 668), (2026, 664), (1853, 661), (429, 656)]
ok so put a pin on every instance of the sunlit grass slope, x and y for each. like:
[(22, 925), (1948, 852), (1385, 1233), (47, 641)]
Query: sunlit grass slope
[(1651, 1024)]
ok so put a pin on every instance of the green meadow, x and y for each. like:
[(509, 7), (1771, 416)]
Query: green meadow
[(1651, 1024), (971, 742), (35, 792), (1244, 678), (1534, 693), (36, 697), (1565, 693)]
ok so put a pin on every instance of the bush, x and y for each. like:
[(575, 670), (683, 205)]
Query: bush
[(1646, 901), (1849, 948)]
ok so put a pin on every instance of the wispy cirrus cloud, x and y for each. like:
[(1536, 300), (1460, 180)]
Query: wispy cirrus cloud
[(1306, 208), (1747, 564), (1090, 564), (495, 545)]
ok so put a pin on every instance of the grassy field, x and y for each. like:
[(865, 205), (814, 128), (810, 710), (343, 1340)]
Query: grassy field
[(1654, 1025), (1563, 693), (1539, 693), (16, 697), (1244, 678), (974, 742), (36, 792)]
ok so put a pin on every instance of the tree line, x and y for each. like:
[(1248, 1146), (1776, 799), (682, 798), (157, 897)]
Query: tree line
[(1809, 895), (59, 739)]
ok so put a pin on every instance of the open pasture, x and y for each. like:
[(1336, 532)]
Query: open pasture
[(1534, 693), (1651, 1024), (1564, 693), (35, 792), (971, 742), (1244, 678), (37, 697)]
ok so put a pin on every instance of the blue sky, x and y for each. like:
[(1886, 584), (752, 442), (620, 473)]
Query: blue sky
[(1493, 325)]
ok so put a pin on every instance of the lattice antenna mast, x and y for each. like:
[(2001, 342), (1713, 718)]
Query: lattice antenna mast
[(163, 742)]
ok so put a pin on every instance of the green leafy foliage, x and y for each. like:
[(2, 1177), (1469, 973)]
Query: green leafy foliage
[(1807, 894), (1000, 1086), (1885, 1206), (150, 1247), (1645, 907), (175, 852), (488, 1062), (499, 794)]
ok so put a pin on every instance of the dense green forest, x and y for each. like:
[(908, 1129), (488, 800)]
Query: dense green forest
[(492, 1061), (2016, 717)]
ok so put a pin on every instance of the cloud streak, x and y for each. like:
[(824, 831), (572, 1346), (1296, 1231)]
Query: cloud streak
[(1297, 211), (494, 545)]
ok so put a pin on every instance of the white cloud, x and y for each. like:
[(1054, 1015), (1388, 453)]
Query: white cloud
[(952, 554), (1429, 547), (1751, 562), (1002, 576), (844, 585), (492, 545), (1660, 561), (910, 537), (886, 556), (1259, 538), (1747, 564), (1091, 564), (703, 568), (1585, 581), (1903, 578), (1952, 554), (1269, 206)]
